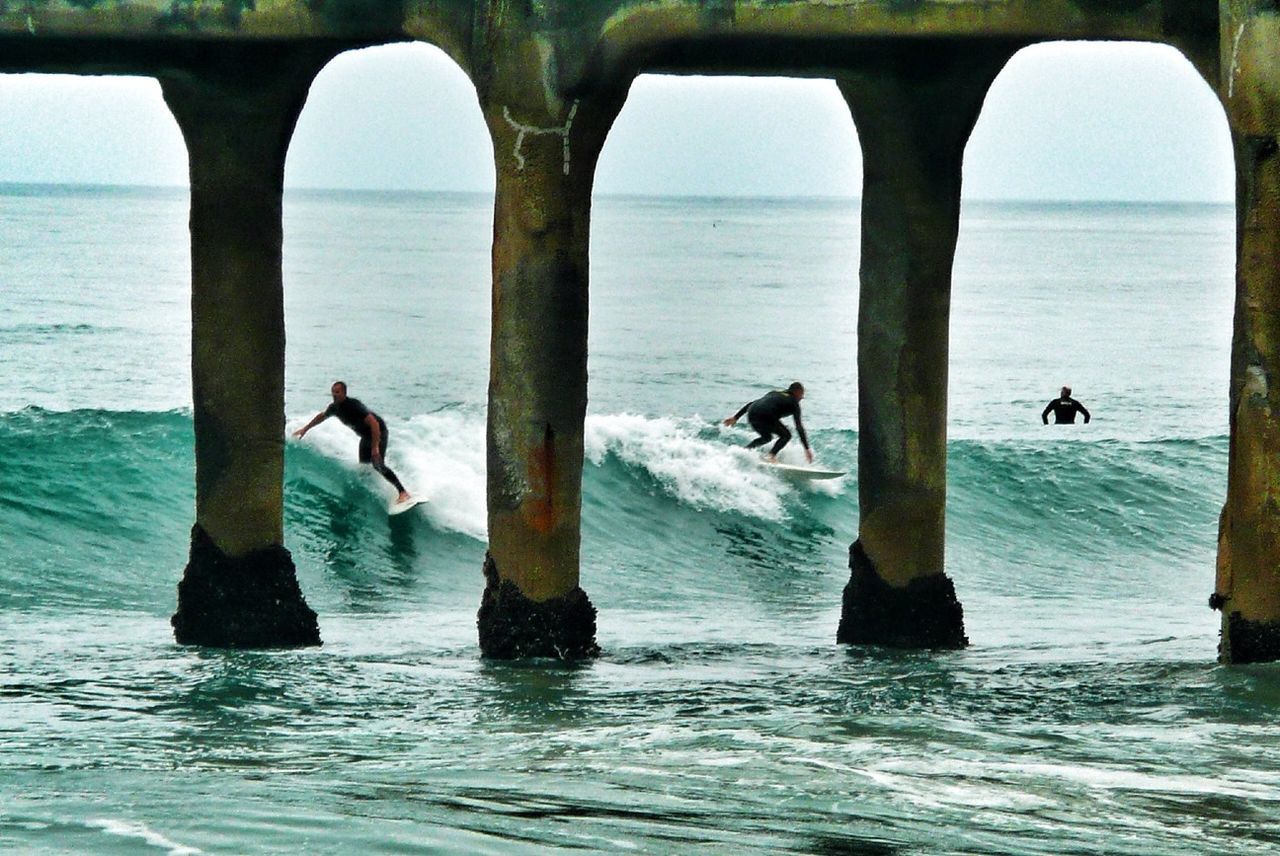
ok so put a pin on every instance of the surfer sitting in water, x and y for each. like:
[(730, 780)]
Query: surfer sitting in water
[(765, 415), (369, 425), (1064, 409)]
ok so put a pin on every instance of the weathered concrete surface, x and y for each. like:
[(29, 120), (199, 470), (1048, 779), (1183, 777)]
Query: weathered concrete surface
[(545, 147), (512, 626), (236, 118), (551, 76), (924, 613), (249, 601), (1247, 589), (634, 22), (589, 38), (914, 108)]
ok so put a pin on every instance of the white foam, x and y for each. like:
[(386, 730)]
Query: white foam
[(437, 456), (331, 438), (132, 829), (441, 456), (697, 472)]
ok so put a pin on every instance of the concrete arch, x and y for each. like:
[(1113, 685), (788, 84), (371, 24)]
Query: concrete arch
[(409, 101), (671, 140), (1108, 105), (122, 119), (388, 212), (669, 122), (668, 142), (400, 119), (550, 81), (1051, 91), (1097, 110), (240, 123)]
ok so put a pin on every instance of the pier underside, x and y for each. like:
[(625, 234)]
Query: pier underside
[(550, 79)]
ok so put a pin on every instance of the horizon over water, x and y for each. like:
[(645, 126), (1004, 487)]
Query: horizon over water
[(1087, 716), (22, 187)]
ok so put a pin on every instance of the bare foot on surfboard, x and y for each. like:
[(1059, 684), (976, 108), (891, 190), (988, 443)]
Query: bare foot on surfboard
[(404, 503)]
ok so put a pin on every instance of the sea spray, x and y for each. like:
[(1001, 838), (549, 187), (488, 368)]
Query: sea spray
[(438, 456), (694, 470)]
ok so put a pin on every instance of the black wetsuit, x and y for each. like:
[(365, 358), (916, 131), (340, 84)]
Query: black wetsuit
[(352, 412), (765, 415), (1064, 411)]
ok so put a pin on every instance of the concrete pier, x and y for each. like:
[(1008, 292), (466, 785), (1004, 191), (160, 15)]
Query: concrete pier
[(914, 107), (1247, 588), (550, 78), (239, 588), (545, 146)]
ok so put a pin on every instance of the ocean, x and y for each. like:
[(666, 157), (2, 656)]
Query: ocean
[(1087, 716)]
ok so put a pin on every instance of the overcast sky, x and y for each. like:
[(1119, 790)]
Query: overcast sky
[(1079, 121)]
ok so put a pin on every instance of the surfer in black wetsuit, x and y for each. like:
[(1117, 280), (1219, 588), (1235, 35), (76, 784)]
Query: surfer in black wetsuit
[(1064, 409), (369, 425), (765, 415)]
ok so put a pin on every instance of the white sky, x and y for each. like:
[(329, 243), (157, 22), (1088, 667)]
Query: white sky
[(1076, 121)]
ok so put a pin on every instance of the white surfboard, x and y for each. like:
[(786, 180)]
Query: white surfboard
[(402, 507), (804, 473)]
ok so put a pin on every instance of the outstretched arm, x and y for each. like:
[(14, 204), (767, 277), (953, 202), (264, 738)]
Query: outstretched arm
[(733, 420), (316, 420), (804, 438)]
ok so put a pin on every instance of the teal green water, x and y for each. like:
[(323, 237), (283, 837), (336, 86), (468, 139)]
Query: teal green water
[(1088, 716)]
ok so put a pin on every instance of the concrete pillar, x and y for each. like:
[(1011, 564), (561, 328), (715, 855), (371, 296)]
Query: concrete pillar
[(914, 107), (1247, 589), (546, 148), (239, 588)]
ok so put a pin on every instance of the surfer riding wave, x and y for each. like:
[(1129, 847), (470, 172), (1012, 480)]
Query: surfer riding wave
[(765, 415), (372, 429)]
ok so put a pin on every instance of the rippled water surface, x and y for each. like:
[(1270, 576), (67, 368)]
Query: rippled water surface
[(401, 744), (1087, 716)]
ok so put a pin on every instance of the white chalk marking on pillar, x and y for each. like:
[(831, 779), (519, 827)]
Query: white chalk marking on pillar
[(506, 114), (522, 129), (1235, 62)]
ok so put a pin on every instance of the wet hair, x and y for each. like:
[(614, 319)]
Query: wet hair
[(1066, 390), (796, 386), (341, 383)]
